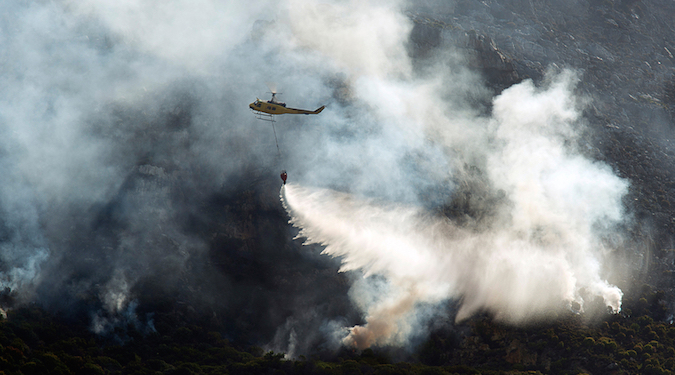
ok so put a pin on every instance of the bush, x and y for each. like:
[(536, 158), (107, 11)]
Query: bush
[(645, 320), (608, 344), (93, 369), (629, 365), (669, 363), (653, 361), (671, 332), (670, 352), (32, 368), (389, 370), (588, 342), (653, 335)]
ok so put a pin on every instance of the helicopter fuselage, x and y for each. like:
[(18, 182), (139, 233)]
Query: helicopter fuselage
[(277, 108)]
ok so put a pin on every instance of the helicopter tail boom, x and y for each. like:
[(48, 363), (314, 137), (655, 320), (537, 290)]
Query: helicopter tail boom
[(306, 112)]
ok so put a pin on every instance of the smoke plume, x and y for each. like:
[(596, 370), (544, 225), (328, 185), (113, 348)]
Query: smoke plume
[(132, 169), (113, 127), (539, 248), (502, 212)]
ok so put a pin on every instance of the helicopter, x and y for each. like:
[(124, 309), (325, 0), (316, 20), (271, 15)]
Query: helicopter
[(266, 110)]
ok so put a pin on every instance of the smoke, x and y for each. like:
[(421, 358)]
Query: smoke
[(525, 267), (113, 126), (131, 166), (541, 213)]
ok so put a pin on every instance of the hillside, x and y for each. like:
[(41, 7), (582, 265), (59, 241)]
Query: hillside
[(143, 229)]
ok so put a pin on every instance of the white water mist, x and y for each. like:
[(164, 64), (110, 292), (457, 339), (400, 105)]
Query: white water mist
[(542, 249)]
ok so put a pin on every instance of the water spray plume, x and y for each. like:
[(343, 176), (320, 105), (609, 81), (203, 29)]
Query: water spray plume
[(538, 255)]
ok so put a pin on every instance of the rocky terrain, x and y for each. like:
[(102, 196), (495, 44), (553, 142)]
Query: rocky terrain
[(624, 53)]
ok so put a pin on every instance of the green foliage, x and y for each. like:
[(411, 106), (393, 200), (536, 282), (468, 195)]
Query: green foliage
[(669, 363), (33, 343), (589, 342), (389, 370), (93, 369), (653, 335), (670, 352)]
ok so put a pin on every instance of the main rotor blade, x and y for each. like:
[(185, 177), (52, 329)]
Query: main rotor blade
[(272, 86)]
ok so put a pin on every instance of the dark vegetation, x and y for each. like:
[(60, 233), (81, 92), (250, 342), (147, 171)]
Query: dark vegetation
[(33, 341)]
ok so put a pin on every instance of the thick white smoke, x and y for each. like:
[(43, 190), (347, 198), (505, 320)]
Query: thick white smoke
[(532, 250), (542, 252), (127, 110), (113, 104)]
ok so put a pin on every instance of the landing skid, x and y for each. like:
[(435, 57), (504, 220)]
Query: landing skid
[(263, 116)]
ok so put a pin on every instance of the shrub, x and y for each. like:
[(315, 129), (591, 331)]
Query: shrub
[(652, 361), (93, 369), (609, 345), (661, 331), (670, 352), (629, 365), (33, 368), (671, 332), (589, 342), (645, 320)]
